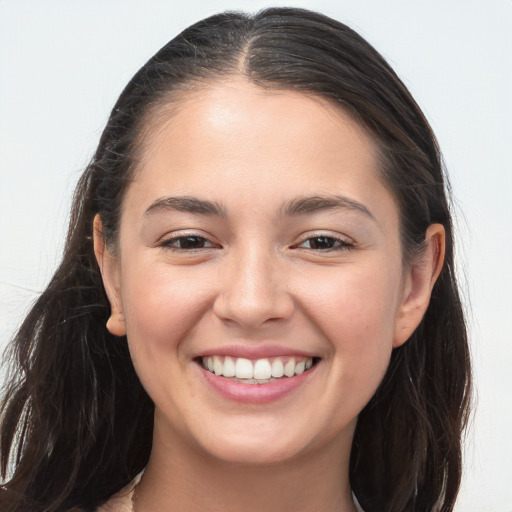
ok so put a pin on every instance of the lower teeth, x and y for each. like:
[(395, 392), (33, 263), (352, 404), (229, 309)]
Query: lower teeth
[(253, 381)]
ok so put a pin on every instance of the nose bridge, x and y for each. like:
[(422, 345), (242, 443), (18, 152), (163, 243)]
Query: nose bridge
[(254, 288)]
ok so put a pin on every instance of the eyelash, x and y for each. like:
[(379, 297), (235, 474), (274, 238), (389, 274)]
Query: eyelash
[(336, 244), (168, 244)]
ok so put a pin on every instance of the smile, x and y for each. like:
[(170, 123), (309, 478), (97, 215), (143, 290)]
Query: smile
[(259, 371)]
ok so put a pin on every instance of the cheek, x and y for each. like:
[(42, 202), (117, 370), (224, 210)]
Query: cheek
[(355, 311), (361, 300), (160, 307)]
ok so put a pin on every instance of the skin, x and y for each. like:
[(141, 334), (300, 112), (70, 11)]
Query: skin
[(256, 276)]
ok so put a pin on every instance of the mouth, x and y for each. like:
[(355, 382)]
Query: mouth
[(257, 371)]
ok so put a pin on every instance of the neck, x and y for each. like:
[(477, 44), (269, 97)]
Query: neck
[(183, 478)]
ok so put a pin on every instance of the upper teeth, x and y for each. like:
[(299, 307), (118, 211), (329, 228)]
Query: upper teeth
[(260, 369)]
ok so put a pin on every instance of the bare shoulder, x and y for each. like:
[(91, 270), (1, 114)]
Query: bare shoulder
[(121, 501)]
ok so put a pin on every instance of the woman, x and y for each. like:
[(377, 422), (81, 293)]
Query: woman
[(265, 233)]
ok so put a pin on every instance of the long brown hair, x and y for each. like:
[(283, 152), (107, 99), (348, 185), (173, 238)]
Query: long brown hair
[(76, 422)]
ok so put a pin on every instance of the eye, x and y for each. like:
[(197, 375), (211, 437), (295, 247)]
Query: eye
[(187, 243), (325, 243)]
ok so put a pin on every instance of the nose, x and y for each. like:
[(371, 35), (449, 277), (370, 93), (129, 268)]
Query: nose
[(254, 291)]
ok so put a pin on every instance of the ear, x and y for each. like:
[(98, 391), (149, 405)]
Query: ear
[(418, 283), (111, 275)]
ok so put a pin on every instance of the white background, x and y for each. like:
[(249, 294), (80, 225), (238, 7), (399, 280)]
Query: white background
[(63, 64)]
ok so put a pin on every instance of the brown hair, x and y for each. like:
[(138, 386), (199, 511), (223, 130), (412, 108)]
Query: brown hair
[(77, 424)]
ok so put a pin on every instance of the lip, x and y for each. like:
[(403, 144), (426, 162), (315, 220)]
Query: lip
[(258, 351), (256, 393)]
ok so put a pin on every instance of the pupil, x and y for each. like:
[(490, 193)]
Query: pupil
[(191, 242), (322, 242)]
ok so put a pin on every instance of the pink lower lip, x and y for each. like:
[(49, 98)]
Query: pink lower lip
[(256, 393)]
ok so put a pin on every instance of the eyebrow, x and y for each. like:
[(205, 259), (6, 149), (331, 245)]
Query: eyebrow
[(186, 204), (313, 204), (295, 207)]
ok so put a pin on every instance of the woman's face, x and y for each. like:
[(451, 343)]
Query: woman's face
[(258, 240)]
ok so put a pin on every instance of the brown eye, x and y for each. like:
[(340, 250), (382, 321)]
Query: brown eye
[(188, 242), (324, 243)]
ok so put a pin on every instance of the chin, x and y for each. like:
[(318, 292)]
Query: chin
[(261, 444), (253, 454)]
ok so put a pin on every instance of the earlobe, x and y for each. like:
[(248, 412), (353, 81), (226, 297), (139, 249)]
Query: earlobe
[(419, 282), (115, 324), (109, 268)]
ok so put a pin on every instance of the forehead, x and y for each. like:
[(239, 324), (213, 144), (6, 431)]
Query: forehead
[(236, 136), (235, 104)]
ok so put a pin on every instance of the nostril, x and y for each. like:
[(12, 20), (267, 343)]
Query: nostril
[(253, 311)]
